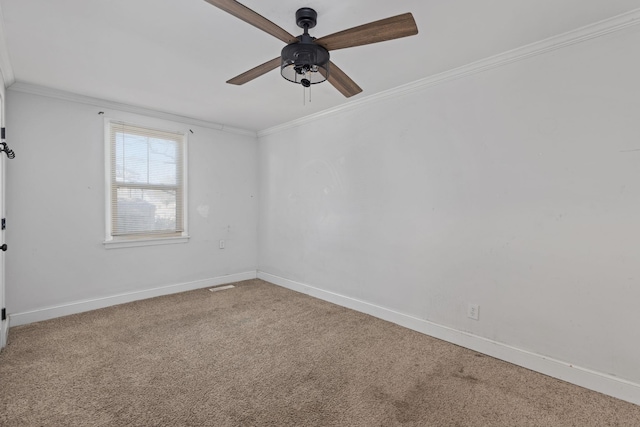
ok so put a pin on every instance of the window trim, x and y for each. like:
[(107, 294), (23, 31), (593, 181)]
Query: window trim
[(114, 242)]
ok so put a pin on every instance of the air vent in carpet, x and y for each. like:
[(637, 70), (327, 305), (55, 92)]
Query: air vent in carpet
[(221, 288)]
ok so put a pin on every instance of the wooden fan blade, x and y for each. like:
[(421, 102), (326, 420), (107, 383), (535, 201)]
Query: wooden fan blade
[(241, 11), (255, 72), (385, 29), (342, 82)]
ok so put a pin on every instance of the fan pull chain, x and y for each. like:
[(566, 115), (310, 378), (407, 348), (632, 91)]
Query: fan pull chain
[(304, 98)]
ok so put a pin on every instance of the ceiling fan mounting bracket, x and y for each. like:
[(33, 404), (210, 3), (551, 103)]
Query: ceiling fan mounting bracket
[(306, 17)]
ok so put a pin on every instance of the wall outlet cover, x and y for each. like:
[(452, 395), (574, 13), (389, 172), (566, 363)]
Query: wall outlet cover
[(473, 311)]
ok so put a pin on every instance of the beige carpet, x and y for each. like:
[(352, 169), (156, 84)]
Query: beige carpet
[(261, 355)]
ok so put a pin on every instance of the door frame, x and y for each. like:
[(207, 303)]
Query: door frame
[(4, 324)]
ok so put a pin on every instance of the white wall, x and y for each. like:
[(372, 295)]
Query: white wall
[(517, 189), (56, 213)]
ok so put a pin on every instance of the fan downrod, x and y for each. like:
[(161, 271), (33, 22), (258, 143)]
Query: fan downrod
[(306, 17)]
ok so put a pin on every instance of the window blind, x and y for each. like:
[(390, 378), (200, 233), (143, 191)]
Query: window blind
[(147, 181)]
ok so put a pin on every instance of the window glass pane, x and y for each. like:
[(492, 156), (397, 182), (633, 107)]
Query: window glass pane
[(144, 160), (163, 159), (132, 160), (139, 210)]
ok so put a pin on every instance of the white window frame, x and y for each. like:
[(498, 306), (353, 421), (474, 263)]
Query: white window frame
[(113, 242)]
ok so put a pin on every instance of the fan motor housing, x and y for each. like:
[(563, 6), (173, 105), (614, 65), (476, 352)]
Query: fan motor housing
[(305, 62), (306, 17)]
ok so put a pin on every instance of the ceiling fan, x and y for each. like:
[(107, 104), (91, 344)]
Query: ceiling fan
[(305, 59)]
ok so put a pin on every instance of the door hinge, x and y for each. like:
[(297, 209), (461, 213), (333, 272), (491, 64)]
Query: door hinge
[(4, 223), (4, 314)]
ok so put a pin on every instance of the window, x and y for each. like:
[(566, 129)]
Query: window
[(146, 185)]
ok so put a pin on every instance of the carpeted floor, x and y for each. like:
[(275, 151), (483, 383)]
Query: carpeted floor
[(261, 355)]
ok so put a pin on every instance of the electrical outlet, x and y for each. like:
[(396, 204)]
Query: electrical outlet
[(473, 311), (221, 244)]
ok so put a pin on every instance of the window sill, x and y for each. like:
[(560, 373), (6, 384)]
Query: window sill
[(116, 244)]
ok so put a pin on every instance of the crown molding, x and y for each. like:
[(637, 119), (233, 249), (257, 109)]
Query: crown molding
[(103, 103), (5, 61), (579, 35)]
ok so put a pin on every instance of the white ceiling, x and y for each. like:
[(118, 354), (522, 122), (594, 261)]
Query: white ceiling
[(176, 55)]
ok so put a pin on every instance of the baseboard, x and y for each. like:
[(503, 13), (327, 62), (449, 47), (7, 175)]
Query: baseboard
[(93, 304), (597, 381), (4, 333)]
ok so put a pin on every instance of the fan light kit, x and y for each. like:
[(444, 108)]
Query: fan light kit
[(305, 60)]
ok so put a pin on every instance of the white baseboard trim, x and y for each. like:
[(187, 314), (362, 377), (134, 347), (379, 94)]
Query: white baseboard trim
[(4, 333), (96, 303), (593, 380)]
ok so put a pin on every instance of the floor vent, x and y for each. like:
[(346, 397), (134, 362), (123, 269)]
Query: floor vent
[(221, 288)]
